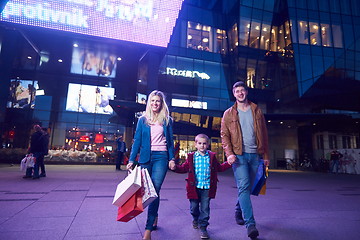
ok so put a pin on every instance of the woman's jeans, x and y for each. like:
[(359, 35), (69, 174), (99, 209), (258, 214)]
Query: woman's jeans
[(157, 167), (200, 208), (245, 168)]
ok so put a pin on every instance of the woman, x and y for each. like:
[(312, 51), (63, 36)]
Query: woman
[(154, 140)]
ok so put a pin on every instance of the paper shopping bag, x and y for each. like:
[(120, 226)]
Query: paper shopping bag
[(126, 188), (149, 192), (260, 180), (27, 162), (131, 208)]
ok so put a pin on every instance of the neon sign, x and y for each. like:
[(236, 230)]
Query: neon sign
[(146, 21), (186, 73)]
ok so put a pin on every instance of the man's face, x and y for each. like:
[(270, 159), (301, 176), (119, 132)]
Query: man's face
[(240, 93)]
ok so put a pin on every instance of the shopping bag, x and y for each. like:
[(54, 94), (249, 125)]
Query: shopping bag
[(259, 186), (131, 208), (126, 188), (27, 162), (149, 192)]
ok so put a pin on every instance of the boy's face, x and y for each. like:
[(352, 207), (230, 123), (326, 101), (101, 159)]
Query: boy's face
[(201, 144)]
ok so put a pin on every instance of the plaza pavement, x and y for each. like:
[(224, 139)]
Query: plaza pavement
[(74, 203)]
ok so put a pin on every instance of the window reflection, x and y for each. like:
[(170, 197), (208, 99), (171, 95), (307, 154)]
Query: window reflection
[(233, 34), (254, 35), (337, 35), (244, 31), (303, 32), (265, 37), (314, 33)]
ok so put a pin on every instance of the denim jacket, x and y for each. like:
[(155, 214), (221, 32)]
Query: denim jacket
[(142, 141)]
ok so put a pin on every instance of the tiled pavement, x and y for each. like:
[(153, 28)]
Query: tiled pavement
[(74, 202)]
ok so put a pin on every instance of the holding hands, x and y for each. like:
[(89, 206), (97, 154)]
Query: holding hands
[(172, 165)]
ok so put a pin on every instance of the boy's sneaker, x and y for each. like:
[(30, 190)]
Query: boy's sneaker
[(204, 234), (239, 218), (252, 232), (195, 224)]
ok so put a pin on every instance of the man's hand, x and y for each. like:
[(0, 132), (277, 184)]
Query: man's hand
[(231, 159), (172, 165)]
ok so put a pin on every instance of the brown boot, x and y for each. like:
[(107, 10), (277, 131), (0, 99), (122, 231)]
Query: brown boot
[(147, 235)]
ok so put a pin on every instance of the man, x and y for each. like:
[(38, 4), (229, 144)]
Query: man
[(335, 157), (37, 143), (121, 149), (244, 139)]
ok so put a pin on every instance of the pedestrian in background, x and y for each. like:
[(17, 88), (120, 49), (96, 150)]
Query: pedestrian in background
[(121, 149), (154, 141), (244, 139)]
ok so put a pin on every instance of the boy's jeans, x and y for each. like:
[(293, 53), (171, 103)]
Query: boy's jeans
[(245, 168), (201, 214), (157, 167)]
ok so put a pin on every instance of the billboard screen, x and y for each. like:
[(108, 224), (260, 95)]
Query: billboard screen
[(22, 93), (93, 62), (142, 21), (89, 99)]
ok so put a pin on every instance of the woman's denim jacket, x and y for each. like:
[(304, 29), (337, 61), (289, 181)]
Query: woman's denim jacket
[(142, 141)]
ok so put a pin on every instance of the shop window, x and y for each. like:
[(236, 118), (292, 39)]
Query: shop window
[(221, 45), (287, 34), (303, 32), (281, 39), (216, 123), (244, 31), (314, 33), (326, 35), (337, 36)]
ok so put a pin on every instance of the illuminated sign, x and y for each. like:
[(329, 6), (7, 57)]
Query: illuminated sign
[(145, 21), (187, 103), (186, 73)]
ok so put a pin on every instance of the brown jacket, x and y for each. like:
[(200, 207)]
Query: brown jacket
[(231, 133)]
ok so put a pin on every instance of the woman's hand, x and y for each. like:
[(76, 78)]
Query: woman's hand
[(129, 166)]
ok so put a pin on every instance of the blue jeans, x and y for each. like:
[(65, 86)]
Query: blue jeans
[(335, 164), (157, 167), (201, 214), (245, 168)]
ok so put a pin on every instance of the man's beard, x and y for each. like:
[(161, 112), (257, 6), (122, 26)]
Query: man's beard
[(243, 101)]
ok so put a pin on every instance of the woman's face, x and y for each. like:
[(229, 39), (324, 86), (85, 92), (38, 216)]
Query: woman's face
[(155, 103)]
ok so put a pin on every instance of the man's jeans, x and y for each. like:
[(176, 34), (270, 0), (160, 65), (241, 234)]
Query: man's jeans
[(201, 214), (157, 167), (245, 168)]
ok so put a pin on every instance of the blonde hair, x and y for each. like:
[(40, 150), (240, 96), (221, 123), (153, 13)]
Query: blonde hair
[(202, 135), (163, 115)]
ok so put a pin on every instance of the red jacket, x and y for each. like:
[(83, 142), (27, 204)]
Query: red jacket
[(188, 167)]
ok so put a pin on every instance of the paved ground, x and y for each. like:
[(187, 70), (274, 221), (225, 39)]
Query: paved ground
[(74, 202)]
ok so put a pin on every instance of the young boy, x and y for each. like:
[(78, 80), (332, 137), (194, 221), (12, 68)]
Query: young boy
[(202, 167)]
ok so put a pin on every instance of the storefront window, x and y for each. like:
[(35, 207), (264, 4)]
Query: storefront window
[(244, 31), (221, 45), (314, 33), (274, 39), (326, 35)]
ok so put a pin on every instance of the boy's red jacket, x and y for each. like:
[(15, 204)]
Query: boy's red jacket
[(188, 167)]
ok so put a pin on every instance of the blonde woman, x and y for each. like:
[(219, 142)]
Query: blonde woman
[(154, 141)]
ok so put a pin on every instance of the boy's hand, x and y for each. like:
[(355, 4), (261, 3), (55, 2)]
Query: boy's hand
[(172, 165), (129, 166)]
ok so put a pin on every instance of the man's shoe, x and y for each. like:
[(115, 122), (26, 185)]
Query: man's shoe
[(204, 234), (42, 175), (239, 218), (252, 232), (27, 176)]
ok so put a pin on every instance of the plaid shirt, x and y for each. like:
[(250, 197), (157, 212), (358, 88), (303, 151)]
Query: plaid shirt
[(202, 170)]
